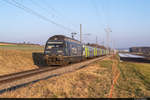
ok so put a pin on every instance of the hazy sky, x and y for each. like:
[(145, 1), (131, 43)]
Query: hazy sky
[(128, 19)]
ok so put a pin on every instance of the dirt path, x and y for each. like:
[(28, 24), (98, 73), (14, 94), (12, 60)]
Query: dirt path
[(115, 76)]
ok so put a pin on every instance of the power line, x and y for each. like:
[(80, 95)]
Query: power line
[(48, 6), (103, 15), (59, 14), (30, 11), (95, 7), (39, 6), (43, 7)]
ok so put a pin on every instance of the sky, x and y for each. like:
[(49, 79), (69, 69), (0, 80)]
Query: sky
[(129, 21)]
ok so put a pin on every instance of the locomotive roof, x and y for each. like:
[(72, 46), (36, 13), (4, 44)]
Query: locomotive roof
[(63, 37)]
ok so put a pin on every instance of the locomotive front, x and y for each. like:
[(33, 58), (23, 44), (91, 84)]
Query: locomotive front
[(55, 50)]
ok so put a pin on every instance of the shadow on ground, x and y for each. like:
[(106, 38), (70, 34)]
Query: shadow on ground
[(38, 59)]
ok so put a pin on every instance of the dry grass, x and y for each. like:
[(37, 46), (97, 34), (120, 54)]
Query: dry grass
[(134, 80), (93, 81), (16, 59)]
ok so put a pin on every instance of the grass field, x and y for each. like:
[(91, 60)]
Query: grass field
[(134, 80), (16, 58)]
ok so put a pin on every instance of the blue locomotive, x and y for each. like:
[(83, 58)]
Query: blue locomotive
[(62, 50)]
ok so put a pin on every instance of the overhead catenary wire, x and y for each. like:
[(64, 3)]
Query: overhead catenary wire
[(52, 8), (41, 7), (49, 6), (105, 10), (56, 14), (97, 12), (30, 11)]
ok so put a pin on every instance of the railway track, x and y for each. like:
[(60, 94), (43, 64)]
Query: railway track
[(8, 82), (14, 76)]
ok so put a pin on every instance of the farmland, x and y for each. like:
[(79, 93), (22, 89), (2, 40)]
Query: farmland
[(16, 58)]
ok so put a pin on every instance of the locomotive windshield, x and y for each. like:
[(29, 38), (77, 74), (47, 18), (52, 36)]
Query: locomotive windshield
[(56, 48), (50, 46)]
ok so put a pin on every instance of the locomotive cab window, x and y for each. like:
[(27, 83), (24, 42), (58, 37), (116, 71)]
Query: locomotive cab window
[(50, 46)]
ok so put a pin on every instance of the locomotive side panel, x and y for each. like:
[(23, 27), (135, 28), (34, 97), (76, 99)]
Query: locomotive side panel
[(75, 52)]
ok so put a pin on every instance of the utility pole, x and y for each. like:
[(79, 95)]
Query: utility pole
[(107, 30), (107, 40), (81, 33), (113, 45), (96, 40)]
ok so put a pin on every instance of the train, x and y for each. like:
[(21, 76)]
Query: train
[(63, 50)]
